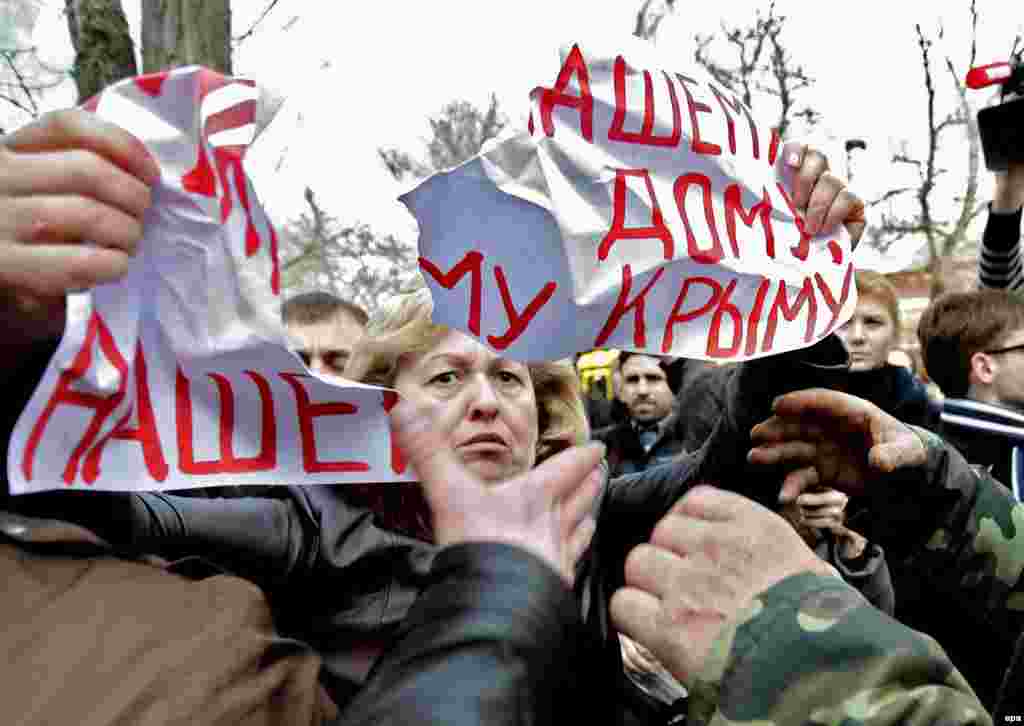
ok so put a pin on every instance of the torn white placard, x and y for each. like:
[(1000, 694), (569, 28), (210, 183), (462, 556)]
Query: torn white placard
[(644, 209), (179, 375)]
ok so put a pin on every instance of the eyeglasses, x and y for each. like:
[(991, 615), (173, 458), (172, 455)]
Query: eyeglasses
[(1019, 346)]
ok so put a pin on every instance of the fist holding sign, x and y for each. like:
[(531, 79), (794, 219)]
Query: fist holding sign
[(643, 209)]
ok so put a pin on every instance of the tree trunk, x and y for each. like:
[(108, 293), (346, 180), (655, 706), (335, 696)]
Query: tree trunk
[(186, 32), (104, 52)]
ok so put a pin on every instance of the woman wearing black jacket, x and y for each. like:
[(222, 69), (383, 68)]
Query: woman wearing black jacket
[(343, 565)]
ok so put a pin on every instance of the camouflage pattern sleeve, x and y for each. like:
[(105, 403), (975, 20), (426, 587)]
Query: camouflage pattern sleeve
[(811, 650), (969, 535)]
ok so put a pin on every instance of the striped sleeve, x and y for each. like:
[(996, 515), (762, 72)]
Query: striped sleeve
[(999, 262)]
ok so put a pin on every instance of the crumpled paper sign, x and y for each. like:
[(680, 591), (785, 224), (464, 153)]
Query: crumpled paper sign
[(644, 208), (179, 375)]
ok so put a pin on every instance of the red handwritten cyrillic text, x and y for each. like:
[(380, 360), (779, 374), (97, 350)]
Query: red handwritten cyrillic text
[(725, 307), (789, 312), (145, 433), (471, 263), (736, 106), (64, 394), (228, 463), (714, 254), (697, 144), (803, 247), (675, 317), (557, 96), (646, 135), (656, 230), (307, 411), (517, 323), (835, 307), (622, 307), (398, 463), (762, 210)]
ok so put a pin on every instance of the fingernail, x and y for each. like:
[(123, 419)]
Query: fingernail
[(793, 159)]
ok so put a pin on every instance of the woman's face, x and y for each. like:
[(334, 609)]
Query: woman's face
[(497, 437), (869, 335)]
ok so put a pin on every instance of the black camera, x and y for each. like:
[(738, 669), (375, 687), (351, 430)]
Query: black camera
[(1002, 125)]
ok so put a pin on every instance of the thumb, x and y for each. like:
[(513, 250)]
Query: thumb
[(890, 456), (422, 434), (563, 474), (635, 614)]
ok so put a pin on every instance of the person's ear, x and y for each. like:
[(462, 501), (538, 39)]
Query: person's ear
[(983, 368)]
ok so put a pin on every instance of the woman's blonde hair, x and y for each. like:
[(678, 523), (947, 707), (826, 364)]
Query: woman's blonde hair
[(875, 284), (403, 326)]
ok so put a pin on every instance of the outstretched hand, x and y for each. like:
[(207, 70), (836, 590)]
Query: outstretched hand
[(832, 439), (73, 192), (825, 197), (544, 511), (705, 563)]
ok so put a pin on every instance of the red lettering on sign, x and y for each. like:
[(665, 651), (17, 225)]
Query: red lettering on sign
[(657, 228), (803, 247), (201, 179), (228, 463), (714, 254), (551, 97), (152, 83), (675, 317), (64, 394), (646, 136), (307, 411), (754, 319), (398, 462), (737, 107), (471, 263), (517, 323), (697, 144), (761, 210), (145, 433), (275, 265), (835, 307), (773, 147), (622, 307), (789, 312), (92, 103), (714, 349), (837, 252)]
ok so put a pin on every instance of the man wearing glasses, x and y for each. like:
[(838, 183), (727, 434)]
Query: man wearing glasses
[(973, 348)]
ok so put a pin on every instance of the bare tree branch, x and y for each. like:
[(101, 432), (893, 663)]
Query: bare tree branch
[(649, 17), (891, 194), (252, 28), (458, 133), (763, 66), (21, 84)]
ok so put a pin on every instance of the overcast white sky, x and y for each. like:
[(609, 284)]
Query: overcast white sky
[(359, 75)]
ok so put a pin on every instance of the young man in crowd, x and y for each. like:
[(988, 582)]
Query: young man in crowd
[(650, 436), (324, 329), (973, 347)]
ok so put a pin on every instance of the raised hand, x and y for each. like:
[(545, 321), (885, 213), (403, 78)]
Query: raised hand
[(705, 562), (545, 511), (73, 192), (825, 197), (831, 439)]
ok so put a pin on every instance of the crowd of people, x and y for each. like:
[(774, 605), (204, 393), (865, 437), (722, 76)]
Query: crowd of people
[(807, 537)]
